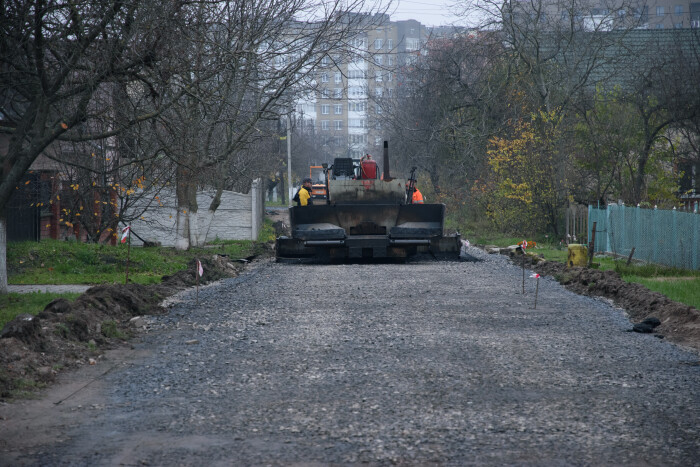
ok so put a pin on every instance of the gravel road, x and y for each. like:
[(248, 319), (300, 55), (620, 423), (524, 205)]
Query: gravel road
[(422, 363)]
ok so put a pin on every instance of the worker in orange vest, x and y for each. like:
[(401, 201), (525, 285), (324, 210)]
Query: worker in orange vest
[(417, 195)]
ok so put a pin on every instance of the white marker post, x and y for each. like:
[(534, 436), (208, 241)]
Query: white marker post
[(198, 274), (126, 237), (537, 287), (523, 246)]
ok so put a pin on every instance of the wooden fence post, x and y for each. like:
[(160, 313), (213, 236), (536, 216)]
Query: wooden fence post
[(591, 245)]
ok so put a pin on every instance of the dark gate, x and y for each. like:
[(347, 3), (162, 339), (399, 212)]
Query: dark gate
[(23, 214)]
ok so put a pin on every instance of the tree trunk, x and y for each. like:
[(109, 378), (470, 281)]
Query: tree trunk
[(181, 231), (182, 228), (282, 190), (3, 257), (638, 189)]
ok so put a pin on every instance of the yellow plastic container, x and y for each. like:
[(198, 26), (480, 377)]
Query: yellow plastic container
[(578, 256)]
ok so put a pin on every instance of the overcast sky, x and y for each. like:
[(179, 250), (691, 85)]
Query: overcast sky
[(428, 12)]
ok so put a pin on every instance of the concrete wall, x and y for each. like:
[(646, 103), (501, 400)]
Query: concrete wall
[(238, 217)]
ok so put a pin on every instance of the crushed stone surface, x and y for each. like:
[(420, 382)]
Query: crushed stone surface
[(420, 363)]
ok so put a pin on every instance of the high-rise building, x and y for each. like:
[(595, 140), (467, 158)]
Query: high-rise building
[(350, 85)]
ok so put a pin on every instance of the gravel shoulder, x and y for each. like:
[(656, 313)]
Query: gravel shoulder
[(420, 363)]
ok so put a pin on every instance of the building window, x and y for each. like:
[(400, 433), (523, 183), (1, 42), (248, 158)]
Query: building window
[(378, 59), (378, 109), (678, 25), (390, 43), (378, 92), (360, 42), (324, 77), (338, 109), (412, 44), (338, 124), (325, 109), (357, 92), (378, 77), (325, 93), (659, 11), (326, 60), (678, 10), (390, 76), (324, 125), (357, 106), (642, 14), (338, 78), (390, 60), (338, 93), (659, 26), (378, 44), (390, 92), (358, 139)]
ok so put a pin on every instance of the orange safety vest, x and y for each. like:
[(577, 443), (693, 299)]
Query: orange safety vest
[(417, 196)]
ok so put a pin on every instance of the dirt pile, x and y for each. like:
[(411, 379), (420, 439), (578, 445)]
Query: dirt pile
[(33, 349), (680, 323)]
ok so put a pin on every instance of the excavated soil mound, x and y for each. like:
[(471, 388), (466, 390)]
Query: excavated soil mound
[(679, 323), (68, 334)]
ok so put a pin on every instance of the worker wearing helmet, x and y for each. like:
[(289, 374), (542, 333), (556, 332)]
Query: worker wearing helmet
[(303, 196)]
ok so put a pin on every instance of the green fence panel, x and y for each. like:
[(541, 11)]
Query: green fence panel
[(671, 238)]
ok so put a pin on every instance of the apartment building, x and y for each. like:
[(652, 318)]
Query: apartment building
[(350, 85), (670, 14), (614, 14)]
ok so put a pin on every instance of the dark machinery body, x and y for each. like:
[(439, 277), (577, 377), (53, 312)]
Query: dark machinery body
[(366, 219)]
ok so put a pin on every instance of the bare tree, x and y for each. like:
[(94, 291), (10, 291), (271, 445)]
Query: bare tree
[(55, 59), (263, 55), (448, 104), (58, 59)]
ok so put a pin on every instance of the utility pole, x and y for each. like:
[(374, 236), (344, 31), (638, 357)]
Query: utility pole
[(289, 159)]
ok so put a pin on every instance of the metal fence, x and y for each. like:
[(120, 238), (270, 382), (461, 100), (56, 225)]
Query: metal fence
[(576, 218), (664, 237)]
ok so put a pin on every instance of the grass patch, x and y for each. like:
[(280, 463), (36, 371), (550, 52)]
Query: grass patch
[(267, 233), (680, 289), (13, 304), (111, 330), (59, 262), (680, 285)]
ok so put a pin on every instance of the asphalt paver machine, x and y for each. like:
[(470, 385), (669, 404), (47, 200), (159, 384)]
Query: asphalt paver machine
[(366, 216)]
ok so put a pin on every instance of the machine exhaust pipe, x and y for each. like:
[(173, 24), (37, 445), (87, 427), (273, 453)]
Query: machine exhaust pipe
[(387, 172)]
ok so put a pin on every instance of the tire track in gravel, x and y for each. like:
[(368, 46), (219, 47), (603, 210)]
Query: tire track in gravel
[(426, 362)]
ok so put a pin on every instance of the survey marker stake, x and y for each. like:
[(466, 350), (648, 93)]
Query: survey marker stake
[(198, 274), (126, 237), (523, 246), (537, 287)]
